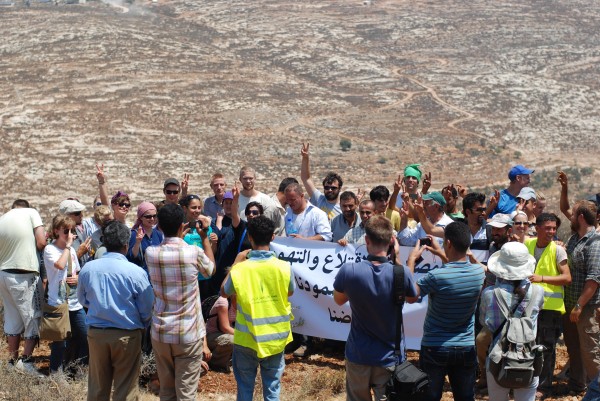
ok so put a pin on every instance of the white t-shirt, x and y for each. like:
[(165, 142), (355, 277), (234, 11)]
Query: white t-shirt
[(17, 240), (269, 208), (57, 286), (310, 222)]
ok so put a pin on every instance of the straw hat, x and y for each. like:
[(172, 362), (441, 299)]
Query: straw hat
[(512, 262)]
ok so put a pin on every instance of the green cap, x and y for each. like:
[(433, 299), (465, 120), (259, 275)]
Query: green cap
[(412, 170), (436, 196)]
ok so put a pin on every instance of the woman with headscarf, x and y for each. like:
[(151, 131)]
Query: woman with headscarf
[(144, 234)]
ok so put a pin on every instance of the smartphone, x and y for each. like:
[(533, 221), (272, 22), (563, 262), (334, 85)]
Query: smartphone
[(425, 241)]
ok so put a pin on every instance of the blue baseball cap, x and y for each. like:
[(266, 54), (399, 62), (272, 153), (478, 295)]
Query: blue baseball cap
[(519, 169)]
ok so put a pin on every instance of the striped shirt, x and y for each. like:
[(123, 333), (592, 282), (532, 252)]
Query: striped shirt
[(453, 291), (173, 267)]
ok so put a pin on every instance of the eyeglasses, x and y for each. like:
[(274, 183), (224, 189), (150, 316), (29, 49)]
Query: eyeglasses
[(329, 188), (67, 231), (253, 213), (520, 223), (479, 209), (171, 192), (149, 216), (125, 205), (76, 213)]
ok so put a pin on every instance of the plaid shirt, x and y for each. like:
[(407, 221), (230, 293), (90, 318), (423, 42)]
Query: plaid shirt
[(174, 267), (490, 315), (584, 263), (356, 235)]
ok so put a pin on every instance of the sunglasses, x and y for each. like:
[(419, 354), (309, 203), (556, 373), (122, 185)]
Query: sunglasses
[(520, 223), (253, 213), (125, 205), (329, 188), (67, 231), (479, 209), (75, 213), (149, 216), (171, 192)]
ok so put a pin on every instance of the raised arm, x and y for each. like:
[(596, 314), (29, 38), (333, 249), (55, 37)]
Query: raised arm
[(102, 186), (398, 186), (565, 208), (235, 216), (305, 170)]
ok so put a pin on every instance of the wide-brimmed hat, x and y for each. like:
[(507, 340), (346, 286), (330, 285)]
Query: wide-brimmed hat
[(512, 262)]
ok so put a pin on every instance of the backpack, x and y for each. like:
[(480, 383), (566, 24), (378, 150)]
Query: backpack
[(515, 358), (207, 305)]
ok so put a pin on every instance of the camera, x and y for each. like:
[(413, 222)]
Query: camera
[(425, 241), (192, 224)]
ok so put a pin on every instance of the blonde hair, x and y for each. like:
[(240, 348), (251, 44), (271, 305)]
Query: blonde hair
[(60, 221), (101, 213)]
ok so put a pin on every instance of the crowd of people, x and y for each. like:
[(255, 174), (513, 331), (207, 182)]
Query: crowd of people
[(142, 289)]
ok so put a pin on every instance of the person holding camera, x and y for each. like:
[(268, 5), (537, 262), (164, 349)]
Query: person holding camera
[(369, 286), (177, 327)]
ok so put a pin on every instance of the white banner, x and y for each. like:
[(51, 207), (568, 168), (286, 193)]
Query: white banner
[(315, 265)]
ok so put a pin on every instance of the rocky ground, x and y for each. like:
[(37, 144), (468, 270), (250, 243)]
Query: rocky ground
[(159, 89)]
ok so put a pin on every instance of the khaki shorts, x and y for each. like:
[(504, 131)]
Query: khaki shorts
[(21, 296)]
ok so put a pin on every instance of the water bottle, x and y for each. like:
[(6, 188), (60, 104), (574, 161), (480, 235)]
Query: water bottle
[(289, 227)]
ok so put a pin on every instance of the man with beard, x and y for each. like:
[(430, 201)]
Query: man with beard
[(580, 327), (250, 194), (474, 212), (344, 222), (552, 273), (356, 235), (332, 185)]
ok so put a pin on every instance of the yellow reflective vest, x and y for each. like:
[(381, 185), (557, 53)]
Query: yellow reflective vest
[(264, 313), (554, 295)]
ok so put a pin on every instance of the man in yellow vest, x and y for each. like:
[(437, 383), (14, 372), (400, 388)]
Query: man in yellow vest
[(262, 284), (552, 273)]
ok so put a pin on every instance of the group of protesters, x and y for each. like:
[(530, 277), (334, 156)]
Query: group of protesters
[(142, 289)]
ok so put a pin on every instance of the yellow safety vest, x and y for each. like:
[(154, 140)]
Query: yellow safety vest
[(554, 295), (264, 314)]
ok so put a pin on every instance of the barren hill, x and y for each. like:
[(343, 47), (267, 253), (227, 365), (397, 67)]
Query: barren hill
[(466, 88)]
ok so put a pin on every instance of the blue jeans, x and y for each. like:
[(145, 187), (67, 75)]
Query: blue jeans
[(593, 391), (245, 364), (459, 363), (74, 349)]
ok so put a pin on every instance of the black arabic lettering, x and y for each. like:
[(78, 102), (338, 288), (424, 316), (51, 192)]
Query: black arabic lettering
[(334, 318), (328, 260)]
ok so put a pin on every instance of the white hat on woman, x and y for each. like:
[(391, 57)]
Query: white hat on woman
[(512, 262)]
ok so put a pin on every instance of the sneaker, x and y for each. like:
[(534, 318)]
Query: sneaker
[(301, 351), (26, 365)]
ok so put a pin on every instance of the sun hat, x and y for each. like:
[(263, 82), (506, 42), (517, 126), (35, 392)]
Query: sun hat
[(512, 262)]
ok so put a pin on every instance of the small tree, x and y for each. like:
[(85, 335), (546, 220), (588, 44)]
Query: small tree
[(345, 144)]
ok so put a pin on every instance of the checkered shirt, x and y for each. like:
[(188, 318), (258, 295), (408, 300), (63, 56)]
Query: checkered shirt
[(584, 263), (173, 267)]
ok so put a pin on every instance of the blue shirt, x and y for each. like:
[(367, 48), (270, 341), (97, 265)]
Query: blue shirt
[(453, 291), (212, 207), (506, 204), (116, 292), (156, 238), (370, 290)]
